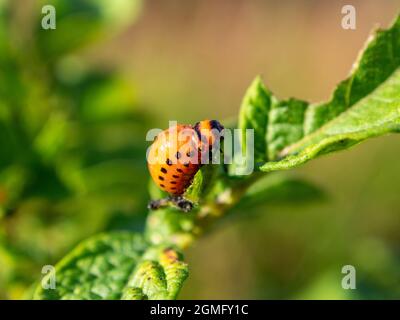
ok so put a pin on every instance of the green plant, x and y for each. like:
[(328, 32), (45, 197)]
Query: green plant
[(287, 134), (59, 119)]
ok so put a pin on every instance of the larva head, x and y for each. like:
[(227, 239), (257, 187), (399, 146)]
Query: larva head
[(210, 133)]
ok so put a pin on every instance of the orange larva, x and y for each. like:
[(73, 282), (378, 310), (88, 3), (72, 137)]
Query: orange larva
[(176, 155)]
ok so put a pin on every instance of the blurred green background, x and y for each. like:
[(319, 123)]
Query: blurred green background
[(76, 103)]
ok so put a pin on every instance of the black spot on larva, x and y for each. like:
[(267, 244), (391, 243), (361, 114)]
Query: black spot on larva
[(173, 182), (186, 165), (175, 176), (160, 178), (169, 162), (173, 188), (162, 186), (178, 155), (190, 154), (196, 128), (163, 170), (214, 124), (179, 170)]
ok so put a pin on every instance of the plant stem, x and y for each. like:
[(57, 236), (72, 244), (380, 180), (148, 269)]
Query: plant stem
[(171, 227)]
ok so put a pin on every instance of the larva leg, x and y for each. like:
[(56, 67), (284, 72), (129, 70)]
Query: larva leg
[(157, 204), (178, 201), (182, 203)]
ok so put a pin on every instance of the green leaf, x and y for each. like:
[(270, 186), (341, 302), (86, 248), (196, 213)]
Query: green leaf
[(117, 266), (378, 61), (158, 277), (285, 124), (276, 123), (254, 115), (375, 115), (365, 105), (202, 182)]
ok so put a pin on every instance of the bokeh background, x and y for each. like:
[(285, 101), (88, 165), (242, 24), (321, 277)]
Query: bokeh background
[(76, 103)]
